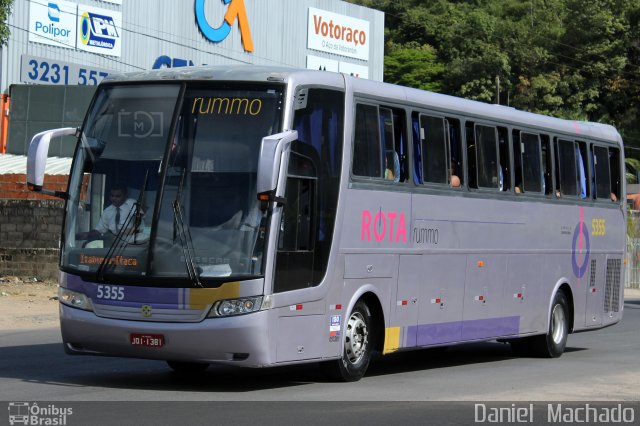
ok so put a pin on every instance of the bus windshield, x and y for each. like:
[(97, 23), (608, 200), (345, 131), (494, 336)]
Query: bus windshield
[(164, 183)]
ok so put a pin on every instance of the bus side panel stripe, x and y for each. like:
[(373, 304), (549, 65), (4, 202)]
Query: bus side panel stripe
[(429, 334), (456, 331), (492, 327)]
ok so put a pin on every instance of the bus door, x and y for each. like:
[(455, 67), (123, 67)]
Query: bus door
[(298, 325), (298, 227)]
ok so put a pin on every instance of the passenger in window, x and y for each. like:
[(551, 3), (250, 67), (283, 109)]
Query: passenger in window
[(614, 197), (388, 173), (455, 180)]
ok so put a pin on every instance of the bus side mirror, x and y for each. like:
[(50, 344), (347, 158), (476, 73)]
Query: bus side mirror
[(274, 153), (37, 158)]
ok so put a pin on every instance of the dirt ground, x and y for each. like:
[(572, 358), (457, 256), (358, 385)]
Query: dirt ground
[(26, 304)]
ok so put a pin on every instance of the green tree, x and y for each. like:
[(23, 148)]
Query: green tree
[(574, 59), (632, 167), (5, 11), (414, 66), (594, 46)]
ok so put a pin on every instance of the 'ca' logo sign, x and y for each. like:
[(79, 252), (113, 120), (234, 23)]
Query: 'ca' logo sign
[(236, 10)]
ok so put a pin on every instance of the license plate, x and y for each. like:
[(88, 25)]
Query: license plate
[(150, 340)]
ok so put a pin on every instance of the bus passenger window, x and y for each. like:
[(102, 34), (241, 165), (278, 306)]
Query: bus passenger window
[(566, 168), (504, 171), (401, 141), (547, 174), (531, 172), (367, 156), (380, 143), (518, 186), (583, 170), (394, 142), (614, 169), (602, 176), (391, 152), (471, 155), (489, 175), (436, 164), (455, 152)]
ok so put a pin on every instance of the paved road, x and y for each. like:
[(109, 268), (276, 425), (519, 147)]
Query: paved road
[(603, 365)]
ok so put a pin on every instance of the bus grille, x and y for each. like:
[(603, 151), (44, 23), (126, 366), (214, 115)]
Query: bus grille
[(153, 314), (592, 278), (612, 286)]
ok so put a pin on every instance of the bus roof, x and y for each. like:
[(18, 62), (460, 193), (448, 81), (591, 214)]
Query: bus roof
[(444, 103)]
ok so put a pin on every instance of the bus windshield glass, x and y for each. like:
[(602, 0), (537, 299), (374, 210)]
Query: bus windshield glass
[(163, 185)]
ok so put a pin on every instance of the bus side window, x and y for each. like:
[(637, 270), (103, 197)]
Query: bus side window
[(582, 165), (455, 152), (504, 165), (614, 169), (601, 174), (380, 143), (401, 143), (566, 169), (489, 173), (367, 156), (531, 172), (547, 167), (393, 143), (435, 151), (518, 186), (471, 155)]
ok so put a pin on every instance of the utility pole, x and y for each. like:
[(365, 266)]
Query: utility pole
[(497, 89)]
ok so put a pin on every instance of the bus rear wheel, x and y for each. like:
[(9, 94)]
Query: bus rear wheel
[(552, 344), (183, 367), (356, 352)]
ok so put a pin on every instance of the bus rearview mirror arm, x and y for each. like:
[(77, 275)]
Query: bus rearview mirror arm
[(274, 153), (37, 159)]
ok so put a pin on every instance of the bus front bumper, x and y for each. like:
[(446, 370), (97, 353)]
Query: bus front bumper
[(239, 340)]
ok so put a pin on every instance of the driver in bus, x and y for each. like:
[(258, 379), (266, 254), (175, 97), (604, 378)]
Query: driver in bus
[(115, 216)]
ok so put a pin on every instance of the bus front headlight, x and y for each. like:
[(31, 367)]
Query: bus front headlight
[(74, 299), (245, 305)]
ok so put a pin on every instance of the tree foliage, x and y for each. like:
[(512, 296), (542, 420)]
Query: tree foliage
[(575, 59), (5, 11)]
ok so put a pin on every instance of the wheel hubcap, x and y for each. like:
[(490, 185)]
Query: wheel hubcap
[(558, 324), (356, 338)]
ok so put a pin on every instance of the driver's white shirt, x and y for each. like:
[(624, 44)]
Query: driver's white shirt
[(108, 219)]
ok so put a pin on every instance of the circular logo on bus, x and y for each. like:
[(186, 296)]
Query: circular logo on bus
[(146, 311), (580, 249)]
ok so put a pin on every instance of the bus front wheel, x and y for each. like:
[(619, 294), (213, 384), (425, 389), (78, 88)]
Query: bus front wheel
[(552, 344), (357, 348)]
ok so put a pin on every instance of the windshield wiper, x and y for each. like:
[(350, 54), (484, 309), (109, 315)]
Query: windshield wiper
[(137, 214), (119, 242), (124, 234), (184, 235)]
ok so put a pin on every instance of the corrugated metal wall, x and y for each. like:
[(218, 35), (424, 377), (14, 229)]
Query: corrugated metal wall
[(35, 109), (168, 27)]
